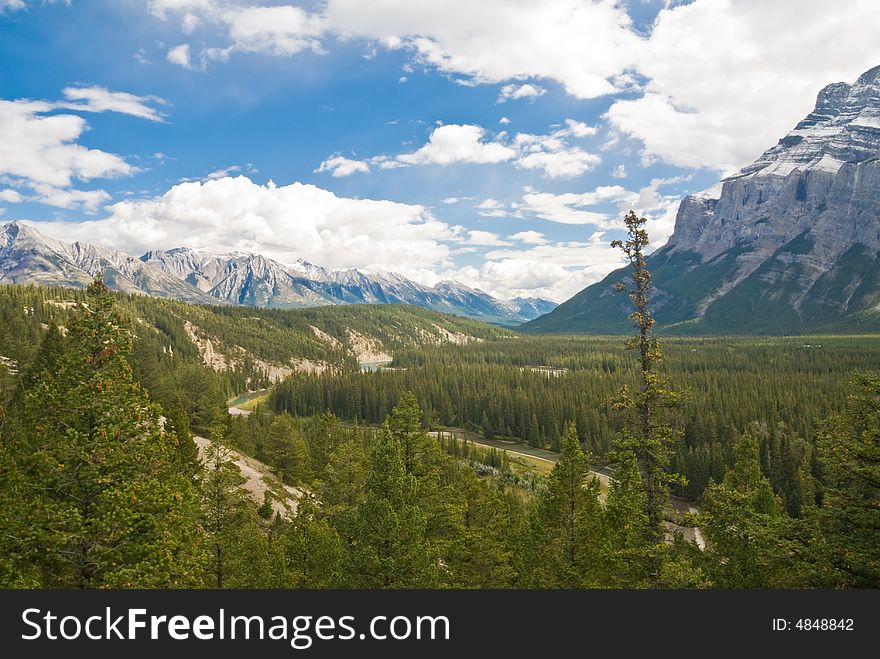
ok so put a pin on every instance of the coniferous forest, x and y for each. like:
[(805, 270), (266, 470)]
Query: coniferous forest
[(772, 444)]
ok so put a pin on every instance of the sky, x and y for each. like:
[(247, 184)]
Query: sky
[(497, 143)]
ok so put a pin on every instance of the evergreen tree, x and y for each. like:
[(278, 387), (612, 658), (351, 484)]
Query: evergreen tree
[(390, 549), (741, 518), (311, 550), (108, 504), (567, 525), (236, 542), (849, 452), (649, 438)]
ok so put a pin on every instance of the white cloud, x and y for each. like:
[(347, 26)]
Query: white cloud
[(276, 30), (566, 163), (579, 44), (553, 153), (281, 222), (530, 237), (504, 120), (10, 196), (454, 143), (554, 271), (67, 198), (42, 148), (39, 151), (468, 143), (729, 77), (180, 55), (224, 172), (619, 172), (491, 208), (715, 81), (15, 5), (582, 208), (513, 92), (455, 200), (485, 238), (162, 8), (99, 99), (341, 166)]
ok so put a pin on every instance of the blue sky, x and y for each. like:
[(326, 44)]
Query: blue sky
[(497, 143)]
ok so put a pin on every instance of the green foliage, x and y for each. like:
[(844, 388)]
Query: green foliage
[(237, 546), (849, 451), (102, 500), (566, 541)]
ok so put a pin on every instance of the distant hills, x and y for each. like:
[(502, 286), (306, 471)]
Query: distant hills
[(27, 256), (788, 244)]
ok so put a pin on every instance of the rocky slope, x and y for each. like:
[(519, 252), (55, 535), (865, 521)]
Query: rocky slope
[(788, 244)]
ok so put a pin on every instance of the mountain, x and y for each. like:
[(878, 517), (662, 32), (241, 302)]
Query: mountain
[(253, 280), (27, 256), (788, 244)]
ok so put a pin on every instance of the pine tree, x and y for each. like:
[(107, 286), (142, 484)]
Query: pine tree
[(741, 517), (849, 452), (649, 438), (390, 549), (109, 505), (567, 526), (236, 542), (311, 550)]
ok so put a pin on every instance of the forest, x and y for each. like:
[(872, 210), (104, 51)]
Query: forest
[(101, 484)]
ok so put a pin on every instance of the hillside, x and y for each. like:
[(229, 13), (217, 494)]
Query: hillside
[(254, 347), (787, 245)]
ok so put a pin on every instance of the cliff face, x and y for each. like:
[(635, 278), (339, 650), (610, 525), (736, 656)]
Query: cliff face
[(789, 243)]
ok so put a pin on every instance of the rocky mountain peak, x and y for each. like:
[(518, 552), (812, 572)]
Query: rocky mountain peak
[(789, 242)]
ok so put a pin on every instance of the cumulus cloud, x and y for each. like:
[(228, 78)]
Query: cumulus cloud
[(553, 271), (40, 156), (449, 144), (455, 143), (578, 44), (491, 208), (619, 172), (604, 206), (40, 151), (531, 237), (513, 92), (767, 63), (342, 166), (485, 238), (15, 5), (10, 196), (281, 222), (276, 30)]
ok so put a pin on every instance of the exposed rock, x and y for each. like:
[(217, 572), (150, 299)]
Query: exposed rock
[(789, 243)]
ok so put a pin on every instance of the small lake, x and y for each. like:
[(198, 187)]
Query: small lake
[(371, 367)]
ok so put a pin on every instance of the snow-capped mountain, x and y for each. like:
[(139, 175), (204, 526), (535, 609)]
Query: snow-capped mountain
[(27, 256), (789, 243)]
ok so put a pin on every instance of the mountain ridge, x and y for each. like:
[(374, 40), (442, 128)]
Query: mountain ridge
[(240, 278), (788, 244)]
